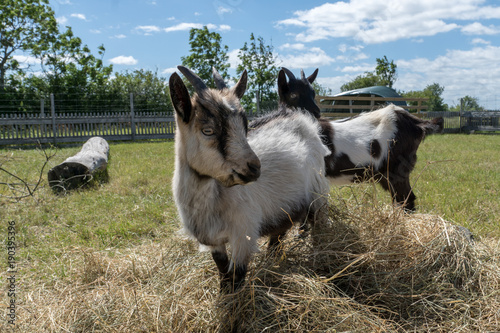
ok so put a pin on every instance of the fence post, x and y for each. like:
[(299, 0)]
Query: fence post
[(42, 116), (257, 102), (132, 116), (53, 114), (460, 115)]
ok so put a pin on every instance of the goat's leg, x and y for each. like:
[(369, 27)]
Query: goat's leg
[(402, 193), (219, 255), (405, 196), (275, 241)]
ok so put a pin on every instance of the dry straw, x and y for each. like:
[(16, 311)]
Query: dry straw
[(366, 268)]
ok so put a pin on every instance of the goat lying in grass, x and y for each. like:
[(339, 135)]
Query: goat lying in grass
[(381, 144), (234, 186)]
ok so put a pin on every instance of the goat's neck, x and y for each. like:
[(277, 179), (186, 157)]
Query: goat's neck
[(190, 185)]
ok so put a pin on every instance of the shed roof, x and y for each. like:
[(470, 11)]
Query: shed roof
[(381, 91)]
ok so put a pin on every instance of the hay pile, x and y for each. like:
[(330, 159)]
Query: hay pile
[(370, 268)]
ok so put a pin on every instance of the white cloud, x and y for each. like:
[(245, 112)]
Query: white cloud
[(26, 60), (477, 28), (188, 26), (233, 59), (124, 60), (310, 57), (378, 21), (120, 36), (62, 20), (296, 47), (480, 41), (147, 29), (169, 70), (357, 69), (461, 72), (183, 27), (221, 10), (79, 16), (95, 31)]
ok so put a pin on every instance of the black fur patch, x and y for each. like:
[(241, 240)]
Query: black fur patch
[(375, 149), (327, 133), (222, 262), (342, 166), (283, 222)]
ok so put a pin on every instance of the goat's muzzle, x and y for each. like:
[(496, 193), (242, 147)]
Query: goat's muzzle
[(252, 172)]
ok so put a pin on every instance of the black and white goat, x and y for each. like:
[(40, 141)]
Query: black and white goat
[(234, 186), (381, 144)]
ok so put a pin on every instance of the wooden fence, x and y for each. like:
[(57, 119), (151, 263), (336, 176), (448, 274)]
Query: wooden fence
[(336, 106), (29, 128), (76, 127), (466, 122)]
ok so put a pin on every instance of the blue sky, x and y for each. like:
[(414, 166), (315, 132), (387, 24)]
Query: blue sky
[(455, 43)]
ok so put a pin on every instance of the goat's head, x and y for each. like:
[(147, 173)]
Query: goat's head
[(298, 93), (212, 130)]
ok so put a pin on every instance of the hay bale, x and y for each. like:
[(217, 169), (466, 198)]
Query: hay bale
[(376, 269)]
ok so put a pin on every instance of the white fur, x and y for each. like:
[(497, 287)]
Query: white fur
[(292, 174), (353, 136)]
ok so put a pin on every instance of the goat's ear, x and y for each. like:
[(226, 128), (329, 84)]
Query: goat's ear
[(312, 77), (180, 97), (282, 84), (240, 87)]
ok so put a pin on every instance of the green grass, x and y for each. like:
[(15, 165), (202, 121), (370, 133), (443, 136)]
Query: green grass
[(136, 204), (456, 177)]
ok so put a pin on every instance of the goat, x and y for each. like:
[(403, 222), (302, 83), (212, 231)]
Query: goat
[(383, 141), (232, 186)]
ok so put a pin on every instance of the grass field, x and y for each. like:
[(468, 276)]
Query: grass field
[(108, 258)]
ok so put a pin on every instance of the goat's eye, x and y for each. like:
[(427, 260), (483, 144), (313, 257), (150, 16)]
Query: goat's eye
[(208, 131)]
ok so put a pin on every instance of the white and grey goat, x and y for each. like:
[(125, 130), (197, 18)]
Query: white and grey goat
[(232, 186)]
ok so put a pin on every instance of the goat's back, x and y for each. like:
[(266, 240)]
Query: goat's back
[(292, 167)]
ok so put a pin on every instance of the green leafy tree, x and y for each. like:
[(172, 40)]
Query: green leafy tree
[(150, 90), (320, 90), (361, 81), (72, 73), (206, 52), (468, 103), (433, 92), (385, 74), (68, 64), (25, 26), (259, 61)]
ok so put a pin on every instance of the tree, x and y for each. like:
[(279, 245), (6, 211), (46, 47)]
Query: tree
[(206, 52), (384, 75), (361, 81), (386, 72), (260, 63), (433, 92), (468, 103), (150, 91), (321, 90), (25, 25)]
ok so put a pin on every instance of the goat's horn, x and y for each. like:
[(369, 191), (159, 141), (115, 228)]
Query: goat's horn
[(194, 79), (219, 81), (302, 75), (288, 73)]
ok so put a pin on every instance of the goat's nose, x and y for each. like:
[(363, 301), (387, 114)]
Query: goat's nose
[(254, 169)]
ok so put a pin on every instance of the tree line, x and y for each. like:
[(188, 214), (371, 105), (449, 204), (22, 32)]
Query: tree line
[(80, 80)]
